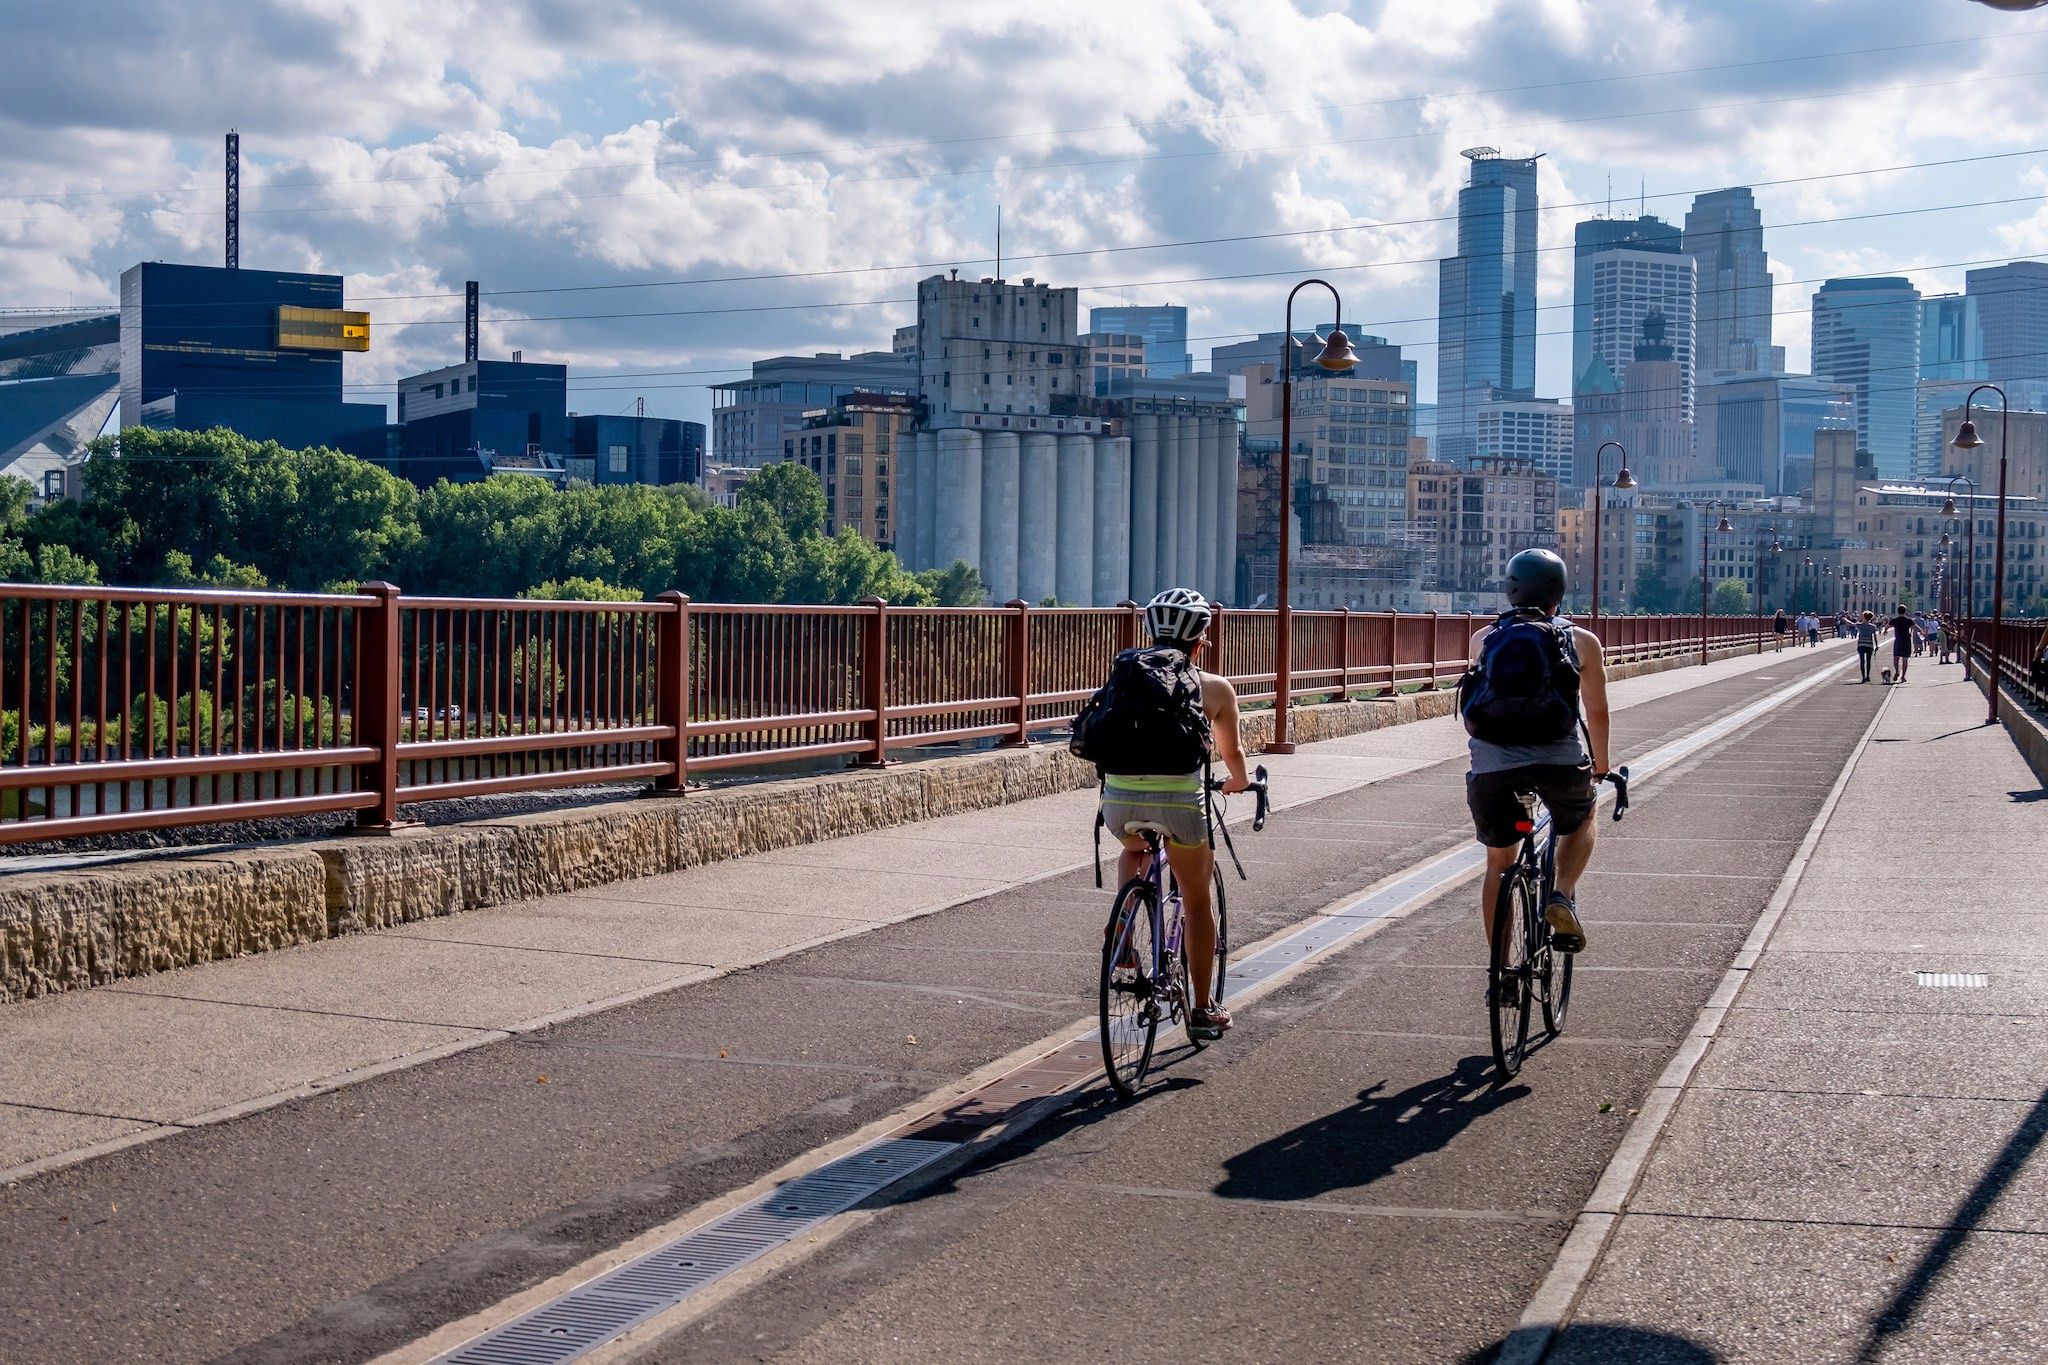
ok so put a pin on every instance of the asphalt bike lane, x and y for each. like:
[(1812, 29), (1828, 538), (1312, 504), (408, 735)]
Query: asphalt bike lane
[(350, 1223), (1343, 1176)]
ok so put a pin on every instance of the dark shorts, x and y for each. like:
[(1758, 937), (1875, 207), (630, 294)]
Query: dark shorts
[(1566, 789), (1901, 648)]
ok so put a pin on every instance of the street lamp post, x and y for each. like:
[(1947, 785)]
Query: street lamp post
[(1968, 439), (1623, 480), (1705, 590), (1968, 591), (1335, 355), (1777, 548)]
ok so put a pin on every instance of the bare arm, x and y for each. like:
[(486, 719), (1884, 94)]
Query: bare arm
[(1219, 703), (1593, 696)]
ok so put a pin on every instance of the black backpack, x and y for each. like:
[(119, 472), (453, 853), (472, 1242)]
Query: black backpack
[(1147, 718), (1524, 687)]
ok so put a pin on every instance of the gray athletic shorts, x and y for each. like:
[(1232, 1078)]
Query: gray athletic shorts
[(1173, 805)]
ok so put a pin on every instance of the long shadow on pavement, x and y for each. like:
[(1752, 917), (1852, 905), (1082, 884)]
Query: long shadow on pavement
[(1358, 1145), (1609, 1343), (1898, 1314)]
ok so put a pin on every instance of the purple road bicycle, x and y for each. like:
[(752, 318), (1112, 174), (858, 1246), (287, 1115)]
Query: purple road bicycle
[(1144, 974)]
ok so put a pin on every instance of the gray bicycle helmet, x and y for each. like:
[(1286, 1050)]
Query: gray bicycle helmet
[(1536, 578), (1177, 616)]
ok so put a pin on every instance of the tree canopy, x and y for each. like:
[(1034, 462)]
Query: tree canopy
[(182, 508)]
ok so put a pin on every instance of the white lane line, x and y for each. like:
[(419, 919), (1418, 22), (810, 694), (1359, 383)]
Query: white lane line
[(644, 1291)]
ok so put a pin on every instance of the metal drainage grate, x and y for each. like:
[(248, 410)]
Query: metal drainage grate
[(1952, 981), (595, 1313)]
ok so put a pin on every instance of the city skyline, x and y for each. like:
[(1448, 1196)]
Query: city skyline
[(904, 168)]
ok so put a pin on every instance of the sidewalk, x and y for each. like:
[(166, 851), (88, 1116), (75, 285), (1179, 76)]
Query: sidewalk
[(90, 1072), (1851, 1172)]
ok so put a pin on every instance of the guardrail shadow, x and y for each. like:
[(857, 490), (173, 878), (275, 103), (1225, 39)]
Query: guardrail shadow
[(1597, 1343), (1359, 1144), (1898, 1314)]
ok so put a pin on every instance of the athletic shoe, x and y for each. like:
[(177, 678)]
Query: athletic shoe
[(1566, 933)]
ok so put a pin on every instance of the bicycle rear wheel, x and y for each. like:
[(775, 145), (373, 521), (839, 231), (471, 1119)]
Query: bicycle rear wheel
[(1509, 985), (1127, 998)]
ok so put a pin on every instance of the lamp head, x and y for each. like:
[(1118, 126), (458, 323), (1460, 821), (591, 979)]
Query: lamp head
[(1724, 526), (1967, 437), (1336, 354), (1624, 479), (1948, 507), (1944, 540)]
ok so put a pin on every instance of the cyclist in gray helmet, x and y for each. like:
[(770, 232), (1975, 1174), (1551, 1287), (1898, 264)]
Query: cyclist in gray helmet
[(1544, 731)]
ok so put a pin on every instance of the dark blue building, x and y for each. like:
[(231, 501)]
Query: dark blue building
[(256, 351), (617, 449), (462, 421)]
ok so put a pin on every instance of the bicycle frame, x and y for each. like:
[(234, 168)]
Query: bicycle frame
[(1168, 929)]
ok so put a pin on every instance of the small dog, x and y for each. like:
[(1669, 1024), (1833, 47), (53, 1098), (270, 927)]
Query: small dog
[(1887, 675)]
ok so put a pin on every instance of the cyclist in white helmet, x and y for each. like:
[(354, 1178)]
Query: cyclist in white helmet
[(1164, 791)]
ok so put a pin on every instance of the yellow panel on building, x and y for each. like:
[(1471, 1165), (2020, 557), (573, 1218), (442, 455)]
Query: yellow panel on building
[(322, 329)]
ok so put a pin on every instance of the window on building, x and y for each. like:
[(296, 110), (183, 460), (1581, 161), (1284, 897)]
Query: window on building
[(618, 458)]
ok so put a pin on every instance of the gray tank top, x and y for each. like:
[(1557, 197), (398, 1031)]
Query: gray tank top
[(1497, 758)]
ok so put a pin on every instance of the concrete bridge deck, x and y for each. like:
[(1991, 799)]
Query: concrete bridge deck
[(390, 1142)]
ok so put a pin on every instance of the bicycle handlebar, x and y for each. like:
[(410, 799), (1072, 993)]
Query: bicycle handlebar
[(1257, 786), (1619, 777)]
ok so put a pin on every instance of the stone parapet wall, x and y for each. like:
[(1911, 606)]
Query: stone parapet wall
[(67, 930)]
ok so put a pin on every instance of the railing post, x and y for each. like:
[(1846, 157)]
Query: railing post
[(1127, 627), (1344, 653), (1394, 652), (672, 692), (377, 703), (875, 683), (1020, 669), (1434, 650)]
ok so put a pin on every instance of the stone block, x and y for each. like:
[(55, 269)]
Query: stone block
[(863, 800), (756, 818), (956, 785), (373, 883)]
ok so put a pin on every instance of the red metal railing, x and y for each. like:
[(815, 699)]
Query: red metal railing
[(130, 709), (2018, 645)]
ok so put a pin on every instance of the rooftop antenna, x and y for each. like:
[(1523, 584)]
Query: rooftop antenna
[(640, 406), (234, 166), (1643, 197), (469, 320), (1610, 194), (999, 241)]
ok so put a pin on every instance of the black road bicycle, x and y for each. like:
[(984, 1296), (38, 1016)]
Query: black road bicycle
[(1144, 974), (1526, 969)]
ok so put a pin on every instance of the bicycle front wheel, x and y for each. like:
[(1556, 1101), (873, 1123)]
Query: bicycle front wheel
[(1128, 1002), (1509, 984)]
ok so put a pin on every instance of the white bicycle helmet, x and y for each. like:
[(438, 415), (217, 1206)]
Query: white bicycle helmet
[(1176, 616)]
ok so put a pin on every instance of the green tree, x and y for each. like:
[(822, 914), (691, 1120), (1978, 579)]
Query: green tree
[(488, 539), (1651, 592), (845, 569), (794, 493), (1730, 598), (580, 590), (957, 586), (218, 572)]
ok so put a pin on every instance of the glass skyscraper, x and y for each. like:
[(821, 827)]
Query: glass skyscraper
[(2012, 309), (1724, 234), (1866, 334), (1165, 329), (1486, 299), (1589, 239)]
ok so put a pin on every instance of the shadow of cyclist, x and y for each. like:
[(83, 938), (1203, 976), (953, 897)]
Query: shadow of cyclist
[(1358, 1145), (1602, 1343)]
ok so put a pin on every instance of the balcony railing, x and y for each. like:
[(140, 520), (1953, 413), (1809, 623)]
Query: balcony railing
[(127, 708)]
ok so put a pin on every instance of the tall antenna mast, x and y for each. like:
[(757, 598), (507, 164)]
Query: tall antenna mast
[(469, 321), (1610, 194), (234, 204), (1643, 197), (999, 241)]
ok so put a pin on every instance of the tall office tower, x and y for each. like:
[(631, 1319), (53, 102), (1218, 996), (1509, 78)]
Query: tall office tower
[(1724, 235), (1486, 298), (1866, 334), (1165, 329), (1626, 285), (1951, 364), (1590, 238), (2012, 309)]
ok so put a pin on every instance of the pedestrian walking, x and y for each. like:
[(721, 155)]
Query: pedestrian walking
[(1866, 642), (1812, 629), (1939, 629), (1779, 625), (1905, 635)]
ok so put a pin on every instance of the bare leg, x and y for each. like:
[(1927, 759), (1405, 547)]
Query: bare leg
[(1131, 862), (1574, 851), (1192, 869), (1498, 861)]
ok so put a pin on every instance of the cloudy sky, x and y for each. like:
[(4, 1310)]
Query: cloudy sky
[(657, 193)]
